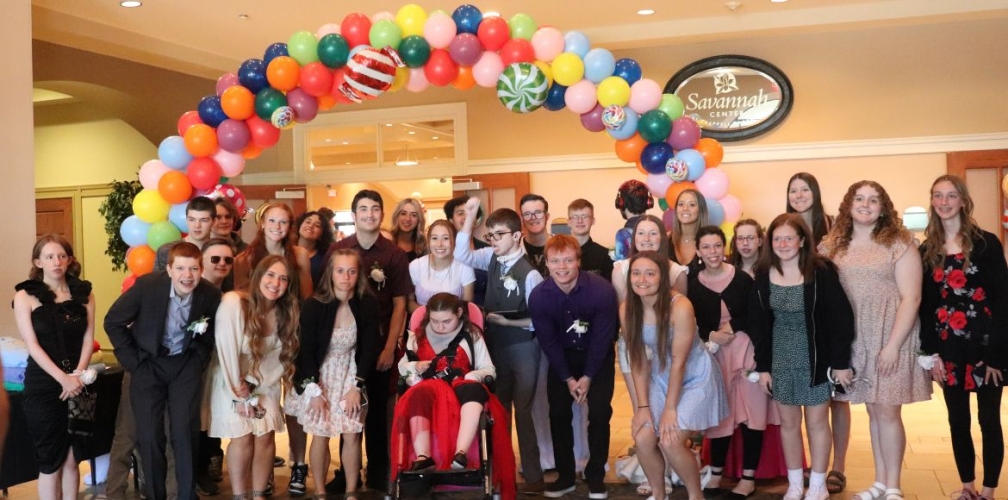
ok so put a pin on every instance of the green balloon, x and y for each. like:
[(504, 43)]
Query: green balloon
[(522, 26), (414, 51), (267, 101), (385, 33), (303, 47), (333, 50), (662, 204), (162, 232), (654, 126), (671, 105)]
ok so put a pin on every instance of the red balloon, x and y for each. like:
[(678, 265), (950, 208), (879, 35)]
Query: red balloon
[(356, 28), (440, 69), (517, 50), (203, 173), (188, 119), (263, 133), (127, 283), (316, 79), (339, 79), (493, 32)]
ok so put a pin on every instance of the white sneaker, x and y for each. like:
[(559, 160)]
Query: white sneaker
[(817, 493), (794, 492)]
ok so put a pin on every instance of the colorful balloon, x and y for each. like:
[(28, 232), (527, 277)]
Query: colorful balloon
[(628, 69), (275, 50), (201, 140), (465, 49), (547, 42), (149, 206), (174, 187), (267, 101), (467, 18), (613, 91), (732, 207), (493, 33), (414, 51), (522, 88), (177, 216), (627, 129), (210, 111), (252, 74), (576, 43), (599, 64), (581, 97), (568, 69), (232, 135), (161, 233), (151, 172), (522, 26), (356, 29), (556, 97), (694, 160), (226, 81), (488, 69), (188, 119), (654, 126), (333, 50), (237, 102), (231, 163), (140, 260), (283, 73), (440, 69), (517, 50), (630, 149), (592, 120), (645, 95), (711, 150), (655, 156), (172, 152), (303, 47), (685, 133), (385, 34), (439, 30), (370, 72), (411, 18), (671, 105), (203, 173), (133, 231)]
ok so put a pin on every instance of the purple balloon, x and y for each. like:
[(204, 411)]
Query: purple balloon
[(305, 106), (465, 49), (226, 81), (592, 120), (685, 133), (669, 218), (232, 135)]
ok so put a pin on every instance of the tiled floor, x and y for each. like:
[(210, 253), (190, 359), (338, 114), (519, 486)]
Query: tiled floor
[(929, 471)]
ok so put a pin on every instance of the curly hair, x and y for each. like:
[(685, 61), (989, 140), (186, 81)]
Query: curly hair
[(933, 248), (327, 238), (888, 228), (254, 309), (417, 236)]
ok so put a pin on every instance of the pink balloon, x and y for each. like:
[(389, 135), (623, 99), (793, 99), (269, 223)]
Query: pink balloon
[(439, 30), (592, 120), (327, 29), (226, 81), (465, 49), (658, 184), (581, 97), (645, 95), (233, 135), (685, 134), (151, 172), (488, 68), (231, 164), (547, 42), (417, 80), (305, 106), (732, 208), (713, 184), (382, 16)]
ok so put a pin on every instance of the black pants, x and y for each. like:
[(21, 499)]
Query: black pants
[(376, 431), (209, 447), (172, 384), (989, 417), (752, 447), (600, 394)]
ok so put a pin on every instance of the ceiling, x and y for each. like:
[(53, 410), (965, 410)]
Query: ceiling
[(208, 38)]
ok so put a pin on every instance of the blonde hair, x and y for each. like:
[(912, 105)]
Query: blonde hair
[(933, 248), (254, 308), (418, 236)]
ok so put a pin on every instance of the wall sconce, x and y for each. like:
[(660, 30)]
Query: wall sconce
[(330, 191), (915, 218)]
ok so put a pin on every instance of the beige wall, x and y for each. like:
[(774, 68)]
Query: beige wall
[(86, 153), (16, 145)]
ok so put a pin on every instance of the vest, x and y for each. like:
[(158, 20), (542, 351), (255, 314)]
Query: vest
[(498, 298)]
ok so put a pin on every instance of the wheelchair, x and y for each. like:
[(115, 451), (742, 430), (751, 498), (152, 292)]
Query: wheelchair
[(408, 484)]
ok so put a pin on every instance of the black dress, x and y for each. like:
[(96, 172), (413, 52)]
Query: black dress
[(46, 414)]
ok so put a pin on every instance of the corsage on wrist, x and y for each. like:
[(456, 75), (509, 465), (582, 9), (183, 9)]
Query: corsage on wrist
[(87, 376), (927, 361), (312, 390)]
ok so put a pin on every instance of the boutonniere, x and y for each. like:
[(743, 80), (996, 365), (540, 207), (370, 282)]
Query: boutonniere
[(377, 274), (199, 327), (751, 376), (712, 347), (510, 284), (579, 326)]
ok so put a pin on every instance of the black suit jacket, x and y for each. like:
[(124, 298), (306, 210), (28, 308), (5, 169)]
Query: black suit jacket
[(136, 321)]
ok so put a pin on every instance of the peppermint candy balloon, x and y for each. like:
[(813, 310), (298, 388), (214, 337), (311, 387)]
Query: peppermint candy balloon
[(613, 117), (369, 72), (522, 87), (676, 169)]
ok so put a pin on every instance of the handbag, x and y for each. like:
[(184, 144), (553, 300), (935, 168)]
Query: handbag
[(81, 413)]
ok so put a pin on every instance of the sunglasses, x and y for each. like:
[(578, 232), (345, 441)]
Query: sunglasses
[(215, 259)]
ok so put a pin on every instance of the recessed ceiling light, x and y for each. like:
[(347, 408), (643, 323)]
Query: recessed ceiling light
[(388, 124), (491, 13), (243, 17), (645, 12), (434, 138), (129, 4), (412, 132), (346, 143), (328, 140), (778, 1)]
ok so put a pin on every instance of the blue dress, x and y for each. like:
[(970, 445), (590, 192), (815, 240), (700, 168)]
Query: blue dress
[(702, 402)]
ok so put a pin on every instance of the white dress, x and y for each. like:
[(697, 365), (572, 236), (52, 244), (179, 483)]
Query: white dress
[(338, 374), (234, 360)]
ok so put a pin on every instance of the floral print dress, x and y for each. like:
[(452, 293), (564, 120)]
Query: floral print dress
[(962, 320)]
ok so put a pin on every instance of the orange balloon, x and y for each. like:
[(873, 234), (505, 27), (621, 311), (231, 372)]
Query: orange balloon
[(672, 195), (283, 73), (629, 150), (201, 140), (251, 151), (641, 168), (140, 260), (326, 102), (711, 150), (464, 80), (238, 102), (174, 187)]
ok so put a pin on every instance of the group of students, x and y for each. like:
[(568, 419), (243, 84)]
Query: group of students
[(309, 335)]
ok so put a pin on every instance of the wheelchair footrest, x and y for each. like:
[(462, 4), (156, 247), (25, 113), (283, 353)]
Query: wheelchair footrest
[(467, 477)]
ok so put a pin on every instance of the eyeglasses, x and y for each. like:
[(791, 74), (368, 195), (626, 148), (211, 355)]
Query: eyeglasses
[(217, 258), (746, 238), (492, 237), (538, 214)]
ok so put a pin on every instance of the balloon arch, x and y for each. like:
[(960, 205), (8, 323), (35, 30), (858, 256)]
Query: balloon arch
[(363, 57)]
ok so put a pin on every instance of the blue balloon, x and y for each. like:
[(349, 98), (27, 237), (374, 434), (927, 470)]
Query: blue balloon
[(555, 100), (210, 111), (577, 43), (172, 152), (252, 74), (695, 161), (273, 51), (629, 70), (467, 19), (715, 212), (177, 216), (654, 157), (134, 231), (629, 127), (599, 64)]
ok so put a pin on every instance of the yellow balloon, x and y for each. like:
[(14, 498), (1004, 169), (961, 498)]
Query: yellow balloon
[(401, 77), (411, 19), (613, 90), (546, 70), (568, 69), (150, 207), (729, 232)]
